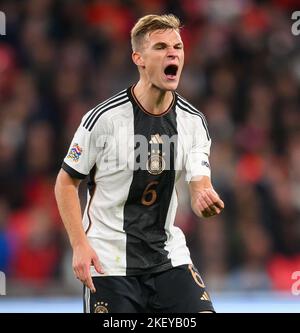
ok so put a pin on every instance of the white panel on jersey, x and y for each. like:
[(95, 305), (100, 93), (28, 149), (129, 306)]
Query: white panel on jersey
[(113, 179)]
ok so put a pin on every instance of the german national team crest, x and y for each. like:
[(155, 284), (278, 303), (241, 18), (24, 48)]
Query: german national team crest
[(100, 307), (156, 163), (75, 152)]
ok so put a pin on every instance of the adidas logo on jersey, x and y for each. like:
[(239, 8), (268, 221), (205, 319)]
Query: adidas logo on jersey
[(205, 297), (156, 139)]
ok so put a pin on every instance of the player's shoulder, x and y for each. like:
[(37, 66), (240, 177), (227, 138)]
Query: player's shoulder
[(191, 114), (188, 108), (103, 110)]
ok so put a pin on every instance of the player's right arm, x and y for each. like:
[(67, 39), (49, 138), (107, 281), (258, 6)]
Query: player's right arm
[(66, 193), (79, 161)]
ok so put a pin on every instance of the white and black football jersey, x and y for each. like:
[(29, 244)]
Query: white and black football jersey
[(134, 160)]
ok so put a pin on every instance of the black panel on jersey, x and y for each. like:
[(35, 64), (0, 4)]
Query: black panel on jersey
[(91, 181), (91, 187), (144, 221)]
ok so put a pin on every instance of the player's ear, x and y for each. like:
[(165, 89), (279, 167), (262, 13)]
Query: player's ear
[(138, 59)]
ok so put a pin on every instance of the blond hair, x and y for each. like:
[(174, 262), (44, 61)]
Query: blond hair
[(150, 23)]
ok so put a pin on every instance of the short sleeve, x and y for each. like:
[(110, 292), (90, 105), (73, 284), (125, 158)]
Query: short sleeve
[(83, 151), (197, 159)]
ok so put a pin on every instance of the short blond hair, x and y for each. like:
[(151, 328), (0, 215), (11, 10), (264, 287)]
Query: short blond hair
[(150, 23)]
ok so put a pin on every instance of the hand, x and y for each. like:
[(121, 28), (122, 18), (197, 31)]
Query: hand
[(207, 203), (84, 256)]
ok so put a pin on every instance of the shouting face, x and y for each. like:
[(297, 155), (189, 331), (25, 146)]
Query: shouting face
[(160, 59)]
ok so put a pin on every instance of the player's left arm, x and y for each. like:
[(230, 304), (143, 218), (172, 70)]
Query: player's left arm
[(205, 201)]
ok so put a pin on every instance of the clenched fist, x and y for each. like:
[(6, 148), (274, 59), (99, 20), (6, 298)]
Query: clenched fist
[(205, 201)]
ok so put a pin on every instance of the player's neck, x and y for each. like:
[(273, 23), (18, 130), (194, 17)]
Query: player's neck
[(152, 99)]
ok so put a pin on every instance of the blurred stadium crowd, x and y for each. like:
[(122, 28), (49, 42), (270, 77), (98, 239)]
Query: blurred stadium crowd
[(60, 58)]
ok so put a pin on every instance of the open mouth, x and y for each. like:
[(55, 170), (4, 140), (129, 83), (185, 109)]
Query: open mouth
[(171, 71)]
